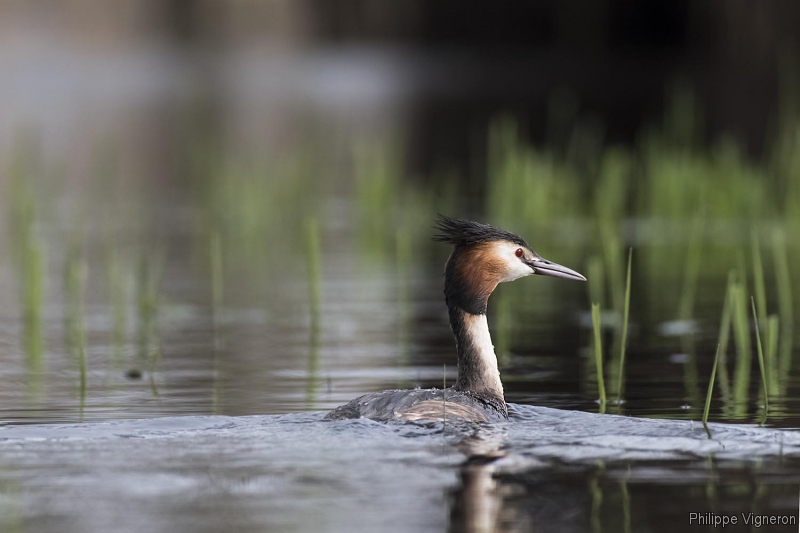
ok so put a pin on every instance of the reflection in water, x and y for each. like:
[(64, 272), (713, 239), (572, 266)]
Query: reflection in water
[(626, 505), (546, 471), (597, 499), (314, 275), (149, 282), (118, 295), (502, 492), (404, 255), (75, 283), (785, 304), (478, 501), (217, 298), (513, 484), (30, 258)]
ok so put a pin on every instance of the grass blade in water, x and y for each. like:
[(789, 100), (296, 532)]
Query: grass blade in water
[(710, 391), (217, 294), (624, 338), (785, 304), (117, 300), (724, 337), (75, 283), (403, 252), (761, 361), (598, 355), (741, 330), (758, 281), (596, 279), (773, 328), (314, 297), (759, 284)]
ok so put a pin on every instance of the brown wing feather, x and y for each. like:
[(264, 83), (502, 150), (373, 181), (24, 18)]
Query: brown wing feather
[(437, 410)]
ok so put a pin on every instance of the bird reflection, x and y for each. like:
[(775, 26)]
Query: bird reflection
[(479, 504)]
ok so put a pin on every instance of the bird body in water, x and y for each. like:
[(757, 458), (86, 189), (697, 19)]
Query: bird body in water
[(483, 256)]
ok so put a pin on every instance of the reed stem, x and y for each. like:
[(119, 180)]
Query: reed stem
[(710, 390), (598, 354), (624, 337), (761, 366)]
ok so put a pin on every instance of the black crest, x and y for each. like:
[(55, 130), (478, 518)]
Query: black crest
[(465, 232)]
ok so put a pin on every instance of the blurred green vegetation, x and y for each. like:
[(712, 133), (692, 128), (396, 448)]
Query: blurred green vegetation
[(692, 212)]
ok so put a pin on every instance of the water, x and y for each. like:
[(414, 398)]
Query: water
[(270, 360), (152, 383), (547, 469), (83, 464)]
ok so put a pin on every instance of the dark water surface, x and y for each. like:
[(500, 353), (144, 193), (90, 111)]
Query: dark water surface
[(283, 346), (271, 347), (546, 470), (69, 464)]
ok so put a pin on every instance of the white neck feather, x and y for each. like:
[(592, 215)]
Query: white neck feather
[(484, 376)]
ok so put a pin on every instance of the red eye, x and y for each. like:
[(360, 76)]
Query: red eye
[(519, 252)]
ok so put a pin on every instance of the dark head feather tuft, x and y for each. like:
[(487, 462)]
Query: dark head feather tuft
[(465, 232)]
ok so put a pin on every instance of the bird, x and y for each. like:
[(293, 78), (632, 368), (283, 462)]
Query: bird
[(483, 256)]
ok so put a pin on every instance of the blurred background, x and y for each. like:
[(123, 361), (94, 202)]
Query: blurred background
[(226, 206)]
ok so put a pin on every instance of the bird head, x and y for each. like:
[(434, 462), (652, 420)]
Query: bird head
[(485, 256)]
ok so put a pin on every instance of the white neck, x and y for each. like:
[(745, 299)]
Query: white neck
[(477, 362)]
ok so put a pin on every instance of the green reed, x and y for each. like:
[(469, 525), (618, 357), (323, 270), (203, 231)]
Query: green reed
[(387, 200), (771, 361), (30, 255), (544, 190), (724, 337), (761, 366), (598, 354), (75, 282), (626, 505), (117, 295), (148, 290), (710, 391), (253, 201), (596, 288), (534, 186), (527, 185), (217, 280), (314, 273), (741, 264), (624, 336), (785, 304), (404, 262), (596, 491), (217, 297), (595, 280), (33, 286), (378, 177), (612, 250), (741, 332), (758, 281)]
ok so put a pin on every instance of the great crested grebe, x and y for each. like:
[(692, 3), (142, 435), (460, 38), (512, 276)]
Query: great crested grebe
[(483, 257)]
